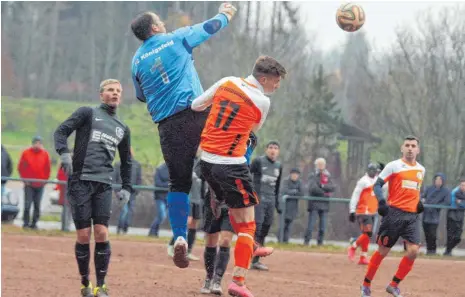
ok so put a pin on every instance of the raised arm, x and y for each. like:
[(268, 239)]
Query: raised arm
[(195, 35)]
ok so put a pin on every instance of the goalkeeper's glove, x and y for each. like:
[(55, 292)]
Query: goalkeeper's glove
[(67, 163), (123, 197), (228, 10), (352, 217), (383, 208), (420, 207)]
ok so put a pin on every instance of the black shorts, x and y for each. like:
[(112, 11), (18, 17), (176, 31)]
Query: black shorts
[(179, 141), (366, 222), (90, 202), (213, 225), (195, 211), (398, 223), (231, 183)]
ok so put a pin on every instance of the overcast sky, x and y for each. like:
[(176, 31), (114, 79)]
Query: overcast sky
[(382, 17)]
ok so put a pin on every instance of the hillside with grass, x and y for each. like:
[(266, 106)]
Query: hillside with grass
[(24, 118)]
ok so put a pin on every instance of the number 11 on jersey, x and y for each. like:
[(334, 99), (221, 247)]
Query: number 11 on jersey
[(158, 65)]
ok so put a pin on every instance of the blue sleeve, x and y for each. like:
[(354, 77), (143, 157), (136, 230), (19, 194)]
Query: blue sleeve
[(139, 94), (194, 35), (453, 198), (378, 189)]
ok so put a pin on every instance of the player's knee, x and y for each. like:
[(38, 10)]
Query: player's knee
[(412, 251), (101, 231), (83, 235), (226, 241)]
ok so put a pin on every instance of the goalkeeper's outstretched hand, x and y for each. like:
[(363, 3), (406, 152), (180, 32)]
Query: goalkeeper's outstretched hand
[(228, 10)]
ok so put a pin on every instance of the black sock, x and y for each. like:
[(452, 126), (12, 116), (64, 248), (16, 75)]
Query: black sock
[(82, 252), (209, 256), (222, 262), (255, 260), (191, 239), (101, 261), (172, 241)]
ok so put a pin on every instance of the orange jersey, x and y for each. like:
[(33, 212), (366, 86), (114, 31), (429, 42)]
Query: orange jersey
[(404, 184), (363, 199), (238, 107)]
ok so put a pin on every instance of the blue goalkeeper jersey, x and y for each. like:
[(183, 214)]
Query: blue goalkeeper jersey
[(163, 69)]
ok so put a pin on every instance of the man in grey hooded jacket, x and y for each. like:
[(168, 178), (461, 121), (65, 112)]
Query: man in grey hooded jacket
[(436, 194)]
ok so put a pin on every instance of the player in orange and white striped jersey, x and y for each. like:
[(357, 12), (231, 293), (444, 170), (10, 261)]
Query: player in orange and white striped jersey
[(238, 107), (363, 207), (400, 214)]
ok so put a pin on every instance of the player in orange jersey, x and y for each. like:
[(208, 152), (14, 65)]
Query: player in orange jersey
[(363, 207), (400, 214), (238, 107)]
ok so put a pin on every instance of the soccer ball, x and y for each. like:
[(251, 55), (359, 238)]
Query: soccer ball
[(350, 17)]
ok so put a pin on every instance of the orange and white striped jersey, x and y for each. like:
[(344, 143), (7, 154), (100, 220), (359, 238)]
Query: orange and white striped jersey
[(239, 106), (363, 199), (404, 184)]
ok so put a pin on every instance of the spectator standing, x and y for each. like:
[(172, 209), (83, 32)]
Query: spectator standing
[(161, 180), (435, 194), (34, 163), (7, 167), (455, 218), (320, 185), (292, 187), (125, 216)]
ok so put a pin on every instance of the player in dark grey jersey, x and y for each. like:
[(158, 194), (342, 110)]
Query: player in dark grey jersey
[(99, 133)]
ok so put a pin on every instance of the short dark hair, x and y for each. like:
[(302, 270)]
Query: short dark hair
[(462, 180), (412, 137), (141, 26), (268, 66), (272, 142)]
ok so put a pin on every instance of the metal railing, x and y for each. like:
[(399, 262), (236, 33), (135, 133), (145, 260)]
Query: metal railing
[(329, 200), (153, 188), (65, 211)]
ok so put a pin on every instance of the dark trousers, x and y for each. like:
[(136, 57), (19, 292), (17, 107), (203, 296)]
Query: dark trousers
[(454, 234), (430, 236), (32, 196), (322, 214), (287, 230)]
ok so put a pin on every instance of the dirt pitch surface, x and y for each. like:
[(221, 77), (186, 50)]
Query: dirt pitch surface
[(39, 266)]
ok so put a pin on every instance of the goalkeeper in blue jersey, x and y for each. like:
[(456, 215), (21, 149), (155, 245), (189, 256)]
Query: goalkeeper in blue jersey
[(165, 78)]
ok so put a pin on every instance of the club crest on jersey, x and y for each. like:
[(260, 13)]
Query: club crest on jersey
[(276, 172), (420, 175), (119, 132)]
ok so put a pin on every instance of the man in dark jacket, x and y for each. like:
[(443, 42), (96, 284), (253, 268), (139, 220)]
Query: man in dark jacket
[(125, 216), (437, 194), (320, 185), (161, 180), (292, 187), (7, 167), (455, 218)]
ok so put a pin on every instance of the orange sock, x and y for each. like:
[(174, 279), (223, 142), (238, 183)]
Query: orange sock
[(361, 240), (365, 244), (404, 268), (375, 261), (243, 250)]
